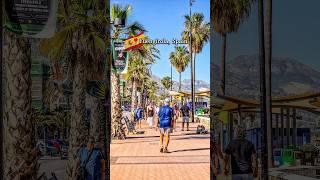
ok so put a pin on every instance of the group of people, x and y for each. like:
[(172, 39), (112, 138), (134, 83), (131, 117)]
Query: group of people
[(166, 117), (241, 152)]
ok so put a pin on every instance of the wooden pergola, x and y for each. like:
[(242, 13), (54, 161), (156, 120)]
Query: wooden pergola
[(283, 111)]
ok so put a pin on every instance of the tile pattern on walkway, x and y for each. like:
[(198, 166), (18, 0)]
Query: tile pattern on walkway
[(138, 157)]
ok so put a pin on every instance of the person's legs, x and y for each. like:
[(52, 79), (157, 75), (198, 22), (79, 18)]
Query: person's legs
[(161, 141), (183, 122), (167, 140), (188, 125), (167, 134)]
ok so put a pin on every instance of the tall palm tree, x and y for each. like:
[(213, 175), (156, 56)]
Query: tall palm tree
[(81, 35), (152, 88), (20, 159), (117, 11), (199, 31), (180, 59), (227, 17), (166, 82), (139, 60)]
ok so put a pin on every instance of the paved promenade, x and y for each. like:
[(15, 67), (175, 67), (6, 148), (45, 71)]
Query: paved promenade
[(138, 157)]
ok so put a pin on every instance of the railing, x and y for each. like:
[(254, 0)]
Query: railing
[(295, 173)]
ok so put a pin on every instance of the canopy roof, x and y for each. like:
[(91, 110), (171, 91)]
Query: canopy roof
[(204, 92), (307, 101)]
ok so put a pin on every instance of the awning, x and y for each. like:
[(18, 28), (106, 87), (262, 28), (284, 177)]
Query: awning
[(308, 101)]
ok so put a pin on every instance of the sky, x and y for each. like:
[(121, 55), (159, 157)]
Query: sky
[(165, 19), (296, 33)]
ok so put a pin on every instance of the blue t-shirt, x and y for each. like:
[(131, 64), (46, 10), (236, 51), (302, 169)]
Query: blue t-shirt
[(165, 116), (139, 113), (93, 166)]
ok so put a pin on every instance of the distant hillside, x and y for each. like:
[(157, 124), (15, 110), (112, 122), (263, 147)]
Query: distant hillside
[(185, 84), (289, 76)]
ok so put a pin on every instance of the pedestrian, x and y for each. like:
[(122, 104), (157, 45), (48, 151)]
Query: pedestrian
[(165, 123), (139, 115), (243, 156), (90, 162), (150, 114), (176, 112), (185, 112)]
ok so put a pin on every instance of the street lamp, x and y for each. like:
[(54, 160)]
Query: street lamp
[(171, 83), (192, 66)]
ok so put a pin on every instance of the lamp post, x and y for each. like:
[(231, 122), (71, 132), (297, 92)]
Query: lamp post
[(192, 66), (171, 83), (263, 95)]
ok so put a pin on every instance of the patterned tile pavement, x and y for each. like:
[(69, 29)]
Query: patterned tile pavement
[(138, 157)]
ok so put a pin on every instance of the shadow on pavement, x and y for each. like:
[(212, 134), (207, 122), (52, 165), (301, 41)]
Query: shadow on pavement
[(183, 150)]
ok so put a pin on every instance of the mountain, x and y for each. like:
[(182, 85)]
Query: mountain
[(185, 84), (289, 76)]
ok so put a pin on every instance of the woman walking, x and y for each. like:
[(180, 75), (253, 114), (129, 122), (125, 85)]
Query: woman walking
[(150, 115)]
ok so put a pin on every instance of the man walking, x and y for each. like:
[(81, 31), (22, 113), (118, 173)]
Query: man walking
[(165, 121), (243, 158), (185, 111), (139, 115)]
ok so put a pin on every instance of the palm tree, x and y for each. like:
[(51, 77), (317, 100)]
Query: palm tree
[(152, 88), (139, 59), (227, 16), (180, 59), (80, 37), (166, 82), (117, 128), (200, 32), (20, 159)]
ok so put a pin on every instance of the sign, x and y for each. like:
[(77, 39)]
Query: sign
[(31, 18), (134, 42), (120, 56)]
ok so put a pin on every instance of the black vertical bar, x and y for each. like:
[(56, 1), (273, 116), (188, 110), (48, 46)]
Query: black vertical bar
[(277, 130), (171, 83), (192, 68), (294, 127), (231, 120), (264, 149), (1, 95), (288, 126), (268, 61), (282, 127)]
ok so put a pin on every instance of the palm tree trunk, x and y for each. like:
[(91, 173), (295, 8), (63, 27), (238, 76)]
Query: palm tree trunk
[(179, 81), (78, 129), (139, 99), (20, 159), (134, 94), (97, 115), (223, 63), (117, 127)]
